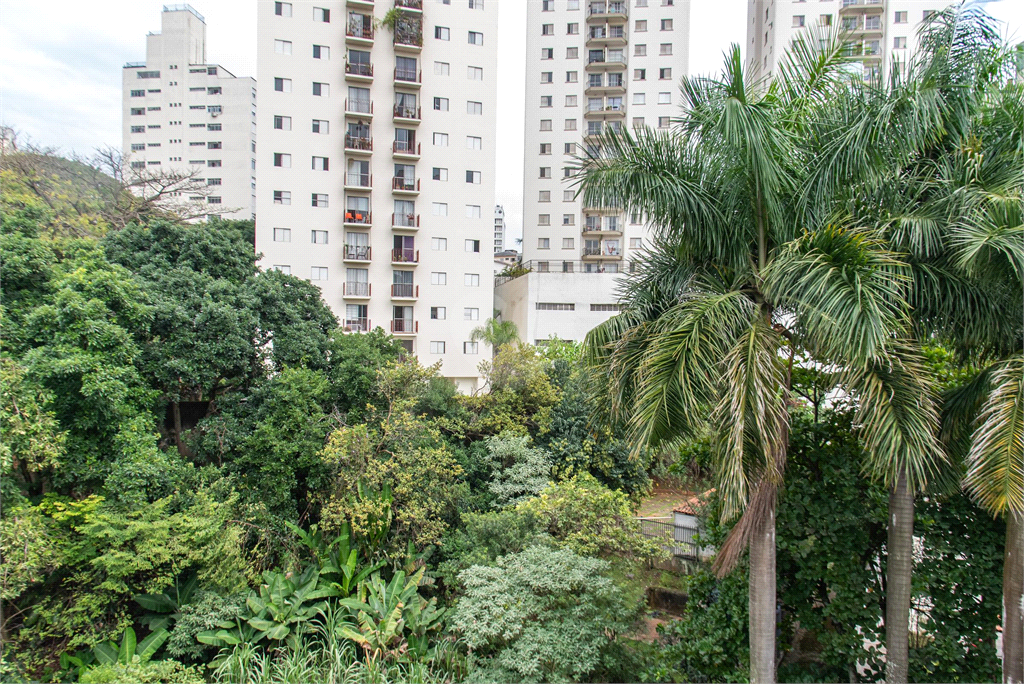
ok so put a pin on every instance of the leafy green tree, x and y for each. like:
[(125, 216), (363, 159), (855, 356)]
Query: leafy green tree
[(540, 616), (293, 321), (355, 361), (31, 442), (483, 538), (495, 333), (520, 470)]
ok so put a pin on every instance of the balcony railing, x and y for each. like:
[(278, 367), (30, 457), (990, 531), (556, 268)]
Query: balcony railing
[(405, 256), (404, 326), (411, 36), (357, 253), (410, 4), (357, 31), (405, 220), (405, 291), (357, 216), (353, 142), (405, 184), (406, 147), (357, 325), (598, 228), (358, 180), (609, 60), (406, 112), (359, 106), (353, 289), (601, 8), (409, 75), (359, 69)]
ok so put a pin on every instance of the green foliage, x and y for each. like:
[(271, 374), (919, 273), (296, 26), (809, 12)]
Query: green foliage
[(344, 563), (520, 471), (495, 333), (355, 363), (164, 609), (153, 672), (540, 615), (583, 515), (206, 612), (482, 538), (31, 442)]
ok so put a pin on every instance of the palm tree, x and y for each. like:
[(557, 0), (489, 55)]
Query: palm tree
[(495, 333), (736, 280)]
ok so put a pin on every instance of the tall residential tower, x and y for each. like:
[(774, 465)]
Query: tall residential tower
[(377, 165), (184, 117)]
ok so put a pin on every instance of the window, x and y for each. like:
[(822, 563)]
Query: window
[(545, 100), (138, 111), (638, 122), (665, 98), (438, 313), (136, 147), (550, 306), (568, 219), (899, 43), (442, 68), (640, 50), (666, 48), (319, 200), (547, 53), (473, 177), (666, 24), (282, 197), (927, 14), (439, 244), (545, 172), (566, 172), (825, 19), (604, 307), (283, 160), (547, 6), (138, 129), (544, 196), (282, 235), (798, 20), (438, 278), (572, 5), (572, 29), (474, 107), (572, 53), (568, 195), (321, 52), (543, 220), (321, 14), (570, 124), (571, 100), (474, 142), (440, 139), (639, 74), (213, 163), (475, 73), (283, 9), (571, 77), (476, 4), (639, 98), (283, 123), (476, 38), (472, 280), (901, 18), (545, 148), (321, 126), (545, 124), (321, 164), (212, 145), (436, 347), (439, 208), (636, 243), (442, 33), (470, 347), (547, 77), (319, 237), (287, 270), (283, 47), (663, 121), (473, 211), (440, 174), (138, 93), (471, 313), (665, 74), (641, 25), (473, 246), (547, 29), (321, 89), (283, 85), (318, 273), (441, 104)]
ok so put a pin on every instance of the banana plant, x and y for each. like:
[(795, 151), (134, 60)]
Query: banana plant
[(110, 652), (391, 619), (165, 609), (339, 560)]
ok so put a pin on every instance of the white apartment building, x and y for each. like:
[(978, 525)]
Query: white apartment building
[(499, 228), (181, 115), (881, 32), (592, 65), (377, 156)]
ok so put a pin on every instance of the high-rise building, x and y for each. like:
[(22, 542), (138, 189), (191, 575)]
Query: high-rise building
[(880, 32), (184, 118), (592, 66), (376, 156), (499, 229)]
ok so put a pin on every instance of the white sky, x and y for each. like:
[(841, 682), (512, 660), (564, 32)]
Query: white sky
[(60, 66)]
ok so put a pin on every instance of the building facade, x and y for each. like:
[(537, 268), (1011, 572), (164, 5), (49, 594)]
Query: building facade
[(377, 148), (182, 116), (880, 32), (499, 228)]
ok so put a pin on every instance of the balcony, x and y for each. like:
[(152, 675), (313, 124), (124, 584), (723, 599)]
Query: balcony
[(357, 34), (355, 218), (360, 4), (605, 112), (605, 36), (404, 326), (359, 182), (599, 229), (854, 6), (405, 221), (359, 253), (359, 72), (356, 325), (405, 257), (405, 186), (617, 88), (403, 149), (407, 115), (352, 290), (408, 78), (409, 35), (595, 253), (598, 64), (358, 146), (360, 109), (405, 291), (411, 5), (600, 12)]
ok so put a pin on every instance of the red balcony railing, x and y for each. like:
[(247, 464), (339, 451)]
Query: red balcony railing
[(405, 220), (405, 112), (351, 289), (406, 147), (357, 252), (357, 143), (405, 291), (405, 256), (357, 216), (359, 69), (404, 325), (405, 184)]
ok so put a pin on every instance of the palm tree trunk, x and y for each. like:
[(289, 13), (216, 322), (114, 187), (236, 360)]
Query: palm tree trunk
[(762, 600), (1013, 596), (899, 566)]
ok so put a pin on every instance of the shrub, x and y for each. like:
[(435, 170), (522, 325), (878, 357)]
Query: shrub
[(521, 471), (136, 672)]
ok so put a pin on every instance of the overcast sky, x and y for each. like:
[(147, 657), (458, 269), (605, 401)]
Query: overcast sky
[(60, 65)]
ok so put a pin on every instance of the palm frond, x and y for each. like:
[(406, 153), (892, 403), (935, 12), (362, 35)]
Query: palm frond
[(995, 462)]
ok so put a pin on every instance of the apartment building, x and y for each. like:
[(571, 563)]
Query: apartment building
[(592, 66), (880, 32), (377, 157), (183, 116), (499, 228)]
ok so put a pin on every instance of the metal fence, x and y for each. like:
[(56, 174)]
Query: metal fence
[(676, 538)]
